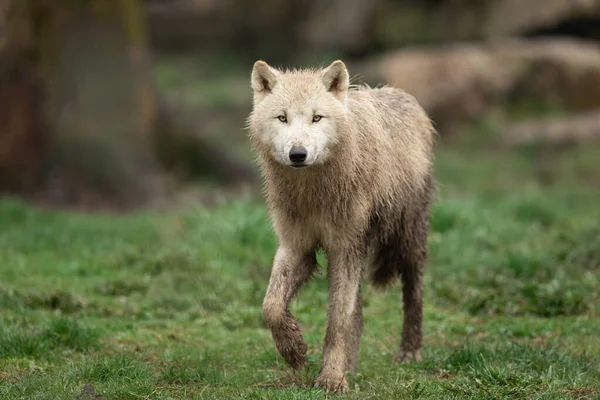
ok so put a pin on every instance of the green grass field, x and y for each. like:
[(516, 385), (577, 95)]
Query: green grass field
[(168, 305)]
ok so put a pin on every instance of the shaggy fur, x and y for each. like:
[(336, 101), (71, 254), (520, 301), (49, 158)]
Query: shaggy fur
[(363, 197)]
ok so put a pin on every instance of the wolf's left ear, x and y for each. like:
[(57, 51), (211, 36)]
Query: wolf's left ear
[(264, 79), (336, 80)]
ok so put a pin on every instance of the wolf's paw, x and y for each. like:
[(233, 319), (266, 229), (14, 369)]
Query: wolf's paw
[(405, 356), (331, 383), (295, 355)]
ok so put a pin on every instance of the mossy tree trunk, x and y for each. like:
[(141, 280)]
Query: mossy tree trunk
[(77, 108)]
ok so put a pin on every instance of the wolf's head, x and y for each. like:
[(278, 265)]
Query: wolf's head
[(297, 114)]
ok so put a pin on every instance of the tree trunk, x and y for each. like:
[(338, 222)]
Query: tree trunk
[(76, 103)]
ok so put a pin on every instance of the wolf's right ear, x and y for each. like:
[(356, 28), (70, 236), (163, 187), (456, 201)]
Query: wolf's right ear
[(264, 79), (336, 80)]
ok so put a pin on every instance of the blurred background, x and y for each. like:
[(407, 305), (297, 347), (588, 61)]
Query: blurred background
[(125, 103), (110, 106)]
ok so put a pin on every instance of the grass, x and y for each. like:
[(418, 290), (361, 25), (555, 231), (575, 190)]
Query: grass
[(167, 305)]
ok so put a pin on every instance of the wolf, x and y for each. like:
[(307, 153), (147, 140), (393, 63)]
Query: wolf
[(347, 170)]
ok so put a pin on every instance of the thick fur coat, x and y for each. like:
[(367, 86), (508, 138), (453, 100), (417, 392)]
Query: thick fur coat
[(348, 171)]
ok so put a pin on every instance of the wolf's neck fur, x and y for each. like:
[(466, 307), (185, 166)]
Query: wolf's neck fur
[(328, 187)]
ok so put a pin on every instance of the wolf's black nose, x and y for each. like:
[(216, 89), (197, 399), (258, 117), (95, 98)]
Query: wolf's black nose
[(298, 154)]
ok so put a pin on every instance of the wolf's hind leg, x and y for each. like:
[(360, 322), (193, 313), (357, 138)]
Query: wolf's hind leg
[(412, 298), (413, 257)]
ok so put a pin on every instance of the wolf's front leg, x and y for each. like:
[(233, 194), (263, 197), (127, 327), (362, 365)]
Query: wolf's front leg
[(344, 321), (290, 270)]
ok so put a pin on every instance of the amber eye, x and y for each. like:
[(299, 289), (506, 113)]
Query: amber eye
[(282, 118), (317, 118)]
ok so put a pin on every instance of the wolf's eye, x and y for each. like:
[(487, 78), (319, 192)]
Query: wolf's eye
[(317, 118), (282, 118)]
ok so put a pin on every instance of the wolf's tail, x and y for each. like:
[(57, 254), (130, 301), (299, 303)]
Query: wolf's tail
[(384, 265)]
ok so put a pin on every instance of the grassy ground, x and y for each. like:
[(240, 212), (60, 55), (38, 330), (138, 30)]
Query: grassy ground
[(167, 306)]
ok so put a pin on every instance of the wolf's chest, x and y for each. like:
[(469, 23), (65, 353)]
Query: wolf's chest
[(327, 221)]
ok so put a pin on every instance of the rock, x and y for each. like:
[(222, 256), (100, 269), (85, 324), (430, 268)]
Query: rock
[(457, 84)]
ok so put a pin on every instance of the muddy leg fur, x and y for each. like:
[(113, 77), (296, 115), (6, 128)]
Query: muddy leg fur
[(412, 299), (290, 270), (356, 333), (413, 245), (340, 352)]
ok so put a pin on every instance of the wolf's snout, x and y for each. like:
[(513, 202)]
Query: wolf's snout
[(298, 154)]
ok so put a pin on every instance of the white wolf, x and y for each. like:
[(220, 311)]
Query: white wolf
[(348, 171)]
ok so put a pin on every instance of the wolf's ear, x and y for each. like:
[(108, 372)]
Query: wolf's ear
[(264, 79), (336, 80)]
